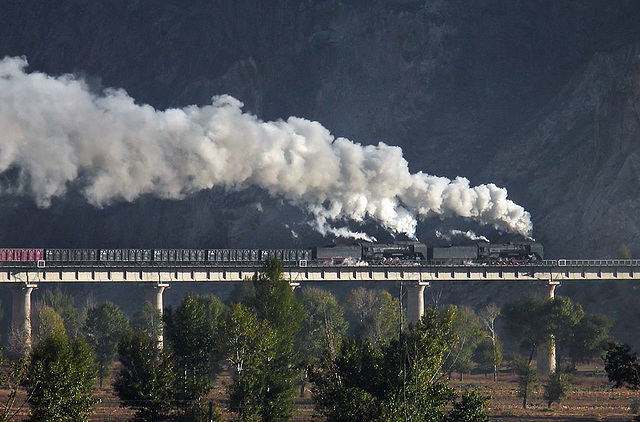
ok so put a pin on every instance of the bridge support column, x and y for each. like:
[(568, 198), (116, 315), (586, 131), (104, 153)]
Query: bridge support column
[(21, 316), (415, 300), (153, 295), (547, 351)]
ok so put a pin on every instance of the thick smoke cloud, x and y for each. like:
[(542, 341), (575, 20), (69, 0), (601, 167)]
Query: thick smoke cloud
[(56, 133)]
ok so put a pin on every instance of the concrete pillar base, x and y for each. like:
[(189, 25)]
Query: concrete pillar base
[(153, 293), (546, 363), (415, 300), (21, 316)]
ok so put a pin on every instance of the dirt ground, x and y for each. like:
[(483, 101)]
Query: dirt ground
[(591, 399)]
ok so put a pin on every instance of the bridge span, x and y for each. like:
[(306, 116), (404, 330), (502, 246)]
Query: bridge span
[(548, 273)]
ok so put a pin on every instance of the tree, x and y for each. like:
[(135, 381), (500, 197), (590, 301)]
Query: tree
[(191, 341), (265, 364), (46, 322), (251, 345), (375, 315), (146, 380), (488, 355), (622, 366), (470, 408), (63, 304), (60, 380), (105, 325), (556, 388), (527, 376), (323, 323), (488, 316), (322, 328), (589, 338), (148, 320), (393, 381), (466, 330), (533, 321)]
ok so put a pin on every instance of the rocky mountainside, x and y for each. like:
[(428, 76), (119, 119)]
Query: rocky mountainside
[(538, 96)]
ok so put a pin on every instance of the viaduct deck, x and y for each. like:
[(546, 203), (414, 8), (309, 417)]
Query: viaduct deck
[(557, 270)]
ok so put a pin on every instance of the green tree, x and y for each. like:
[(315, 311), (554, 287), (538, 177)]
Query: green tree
[(323, 324), (46, 322), (488, 355), (63, 304), (556, 388), (527, 376), (622, 366), (60, 380), (191, 341), (322, 328), (146, 380), (374, 314), (105, 325), (589, 338), (470, 408), (394, 381), (533, 321), (467, 332), (251, 345), (148, 320), (263, 386)]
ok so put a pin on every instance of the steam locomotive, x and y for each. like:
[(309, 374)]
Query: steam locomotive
[(360, 253)]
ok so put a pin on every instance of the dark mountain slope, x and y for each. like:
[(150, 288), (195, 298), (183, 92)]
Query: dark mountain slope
[(537, 96)]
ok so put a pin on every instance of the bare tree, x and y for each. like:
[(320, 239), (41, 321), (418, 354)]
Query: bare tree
[(488, 317)]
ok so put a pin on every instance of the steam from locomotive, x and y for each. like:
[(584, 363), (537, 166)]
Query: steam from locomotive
[(56, 133)]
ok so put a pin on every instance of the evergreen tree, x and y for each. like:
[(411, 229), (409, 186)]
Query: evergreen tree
[(191, 341), (399, 380), (260, 339), (146, 380), (105, 325), (556, 388), (148, 320), (60, 380), (527, 376), (589, 338)]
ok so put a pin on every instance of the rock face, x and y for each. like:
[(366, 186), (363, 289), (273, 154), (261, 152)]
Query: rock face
[(541, 97)]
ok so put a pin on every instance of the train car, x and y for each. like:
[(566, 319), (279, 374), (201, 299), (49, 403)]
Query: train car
[(337, 254), (21, 255), (76, 256), (394, 252), (452, 253)]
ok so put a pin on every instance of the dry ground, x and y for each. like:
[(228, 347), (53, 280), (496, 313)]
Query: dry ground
[(591, 399)]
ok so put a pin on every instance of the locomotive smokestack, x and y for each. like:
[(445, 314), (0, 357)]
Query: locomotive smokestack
[(56, 133)]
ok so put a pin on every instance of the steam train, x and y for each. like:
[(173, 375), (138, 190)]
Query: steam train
[(360, 253)]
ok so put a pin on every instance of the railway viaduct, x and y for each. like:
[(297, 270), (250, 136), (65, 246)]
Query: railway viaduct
[(546, 274)]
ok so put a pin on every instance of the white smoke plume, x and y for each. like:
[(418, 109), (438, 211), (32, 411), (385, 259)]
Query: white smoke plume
[(56, 133), (469, 234)]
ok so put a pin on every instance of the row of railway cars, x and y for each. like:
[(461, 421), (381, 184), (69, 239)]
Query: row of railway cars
[(361, 253)]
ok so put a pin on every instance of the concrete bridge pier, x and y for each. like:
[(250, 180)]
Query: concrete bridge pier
[(21, 315), (415, 300), (153, 294), (547, 351)]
